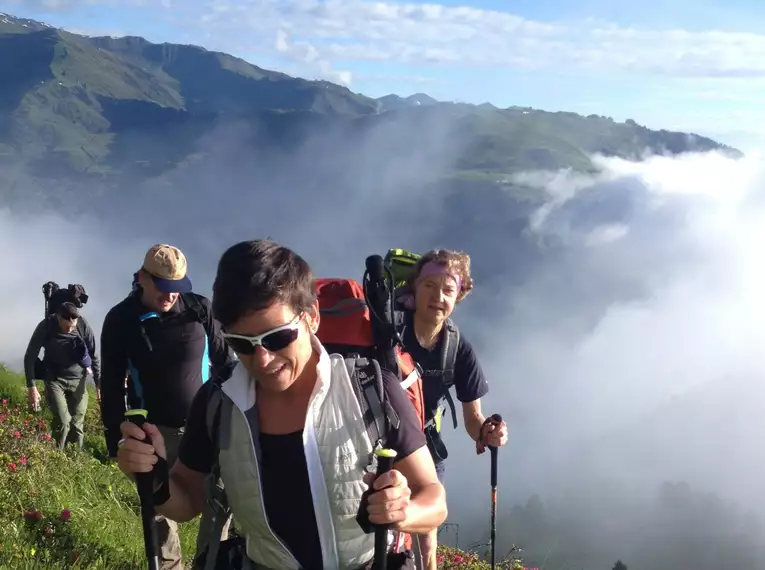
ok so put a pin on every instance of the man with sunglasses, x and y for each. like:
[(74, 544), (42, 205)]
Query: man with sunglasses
[(165, 338), (70, 357), (286, 432)]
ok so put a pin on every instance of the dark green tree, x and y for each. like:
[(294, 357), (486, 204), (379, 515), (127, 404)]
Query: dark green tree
[(620, 565)]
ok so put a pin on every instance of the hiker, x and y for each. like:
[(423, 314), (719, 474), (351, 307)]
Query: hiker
[(70, 358), (438, 282), (164, 337), (288, 437)]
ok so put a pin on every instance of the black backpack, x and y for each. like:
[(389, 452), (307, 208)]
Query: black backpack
[(55, 296)]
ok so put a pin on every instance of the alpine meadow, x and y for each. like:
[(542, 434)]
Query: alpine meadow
[(618, 309)]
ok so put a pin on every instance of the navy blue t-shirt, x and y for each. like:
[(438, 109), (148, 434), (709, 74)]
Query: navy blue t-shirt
[(469, 380)]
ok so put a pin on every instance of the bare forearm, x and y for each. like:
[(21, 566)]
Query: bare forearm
[(181, 506), (427, 510), (473, 424)]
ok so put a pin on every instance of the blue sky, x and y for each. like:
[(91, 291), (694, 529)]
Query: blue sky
[(677, 64)]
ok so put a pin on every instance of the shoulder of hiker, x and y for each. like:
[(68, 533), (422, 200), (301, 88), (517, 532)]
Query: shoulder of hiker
[(465, 349), (206, 305), (207, 390), (408, 437), (211, 393), (42, 327), (469, 378), (116, 315), (204, 301), (40, 334), (196, 449), (394, 393), (191, 299), (390, 381), (86, 326)]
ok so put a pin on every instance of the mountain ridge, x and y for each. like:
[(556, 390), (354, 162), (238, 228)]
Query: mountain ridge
[(103, 110)]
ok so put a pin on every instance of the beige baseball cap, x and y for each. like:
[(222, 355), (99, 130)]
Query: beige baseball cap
[(167, 266)]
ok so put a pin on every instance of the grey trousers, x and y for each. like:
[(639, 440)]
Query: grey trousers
[(170, 557), (68, 402)]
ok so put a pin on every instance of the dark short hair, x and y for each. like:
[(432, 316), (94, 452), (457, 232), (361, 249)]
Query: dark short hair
[(68, 310), (252, 275)]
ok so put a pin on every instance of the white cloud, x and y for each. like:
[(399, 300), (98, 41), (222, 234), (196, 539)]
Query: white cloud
[(97, 32), (329, 31), (308, 61), (383, 77), (437, 34), (687, 236)]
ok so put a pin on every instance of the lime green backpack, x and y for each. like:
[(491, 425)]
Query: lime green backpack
[(401, 264)]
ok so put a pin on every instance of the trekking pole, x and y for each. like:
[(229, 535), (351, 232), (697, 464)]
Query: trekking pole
[(145, 484), (385, 459), (495, 420)]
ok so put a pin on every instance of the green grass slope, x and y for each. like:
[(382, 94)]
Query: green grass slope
[(64, 509), (216, 82)]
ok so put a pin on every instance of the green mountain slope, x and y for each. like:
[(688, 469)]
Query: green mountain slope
[(75, 109), (12, 25), (392, 102)]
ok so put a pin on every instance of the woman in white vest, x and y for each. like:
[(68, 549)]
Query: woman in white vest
[(296, 447)]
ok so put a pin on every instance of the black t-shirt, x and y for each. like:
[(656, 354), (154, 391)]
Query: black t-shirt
[(469, 381), (284, 471)]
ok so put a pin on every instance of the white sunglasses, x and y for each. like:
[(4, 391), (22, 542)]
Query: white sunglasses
[(273, 341)]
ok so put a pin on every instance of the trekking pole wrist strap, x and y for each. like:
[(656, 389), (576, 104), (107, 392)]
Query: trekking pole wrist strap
[(480, 444), (162, 476)]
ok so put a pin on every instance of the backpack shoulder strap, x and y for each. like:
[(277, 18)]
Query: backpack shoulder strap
[(219, 406), (192, 302), (218, 421), (379, 416), (449, 351), (49, 328), (214, 409), (451, 341)]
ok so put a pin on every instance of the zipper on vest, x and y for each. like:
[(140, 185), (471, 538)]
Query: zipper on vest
[(329, 550), (260, 485)]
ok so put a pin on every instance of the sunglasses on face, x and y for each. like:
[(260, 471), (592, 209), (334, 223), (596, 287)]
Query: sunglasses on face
[(273, 341)]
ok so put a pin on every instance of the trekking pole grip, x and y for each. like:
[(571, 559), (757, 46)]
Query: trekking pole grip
[(145, 484), (138, 417), (385, 459), (495, 420)]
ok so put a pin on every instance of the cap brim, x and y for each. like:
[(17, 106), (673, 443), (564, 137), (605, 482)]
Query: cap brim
[(173, 285)]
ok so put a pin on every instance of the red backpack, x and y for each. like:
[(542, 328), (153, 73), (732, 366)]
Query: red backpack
[(345, 327)]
